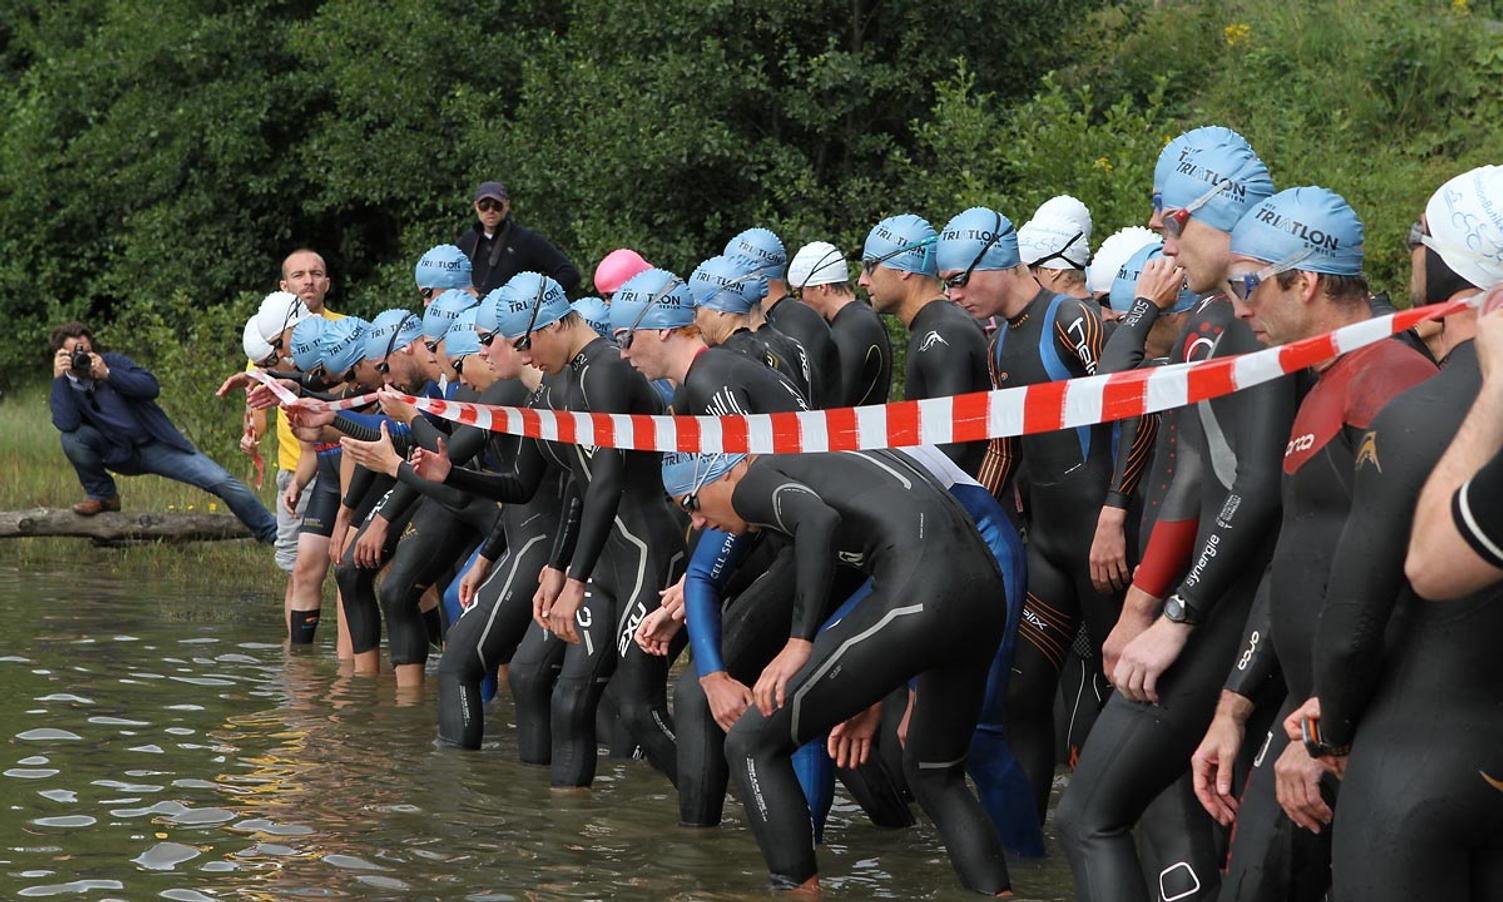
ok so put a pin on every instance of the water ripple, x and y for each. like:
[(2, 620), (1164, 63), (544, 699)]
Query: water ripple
[(48, 734)]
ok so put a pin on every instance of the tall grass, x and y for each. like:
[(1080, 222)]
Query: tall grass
[(34, 473)]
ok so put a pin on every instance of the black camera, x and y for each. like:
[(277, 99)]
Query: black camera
[(81, 361)]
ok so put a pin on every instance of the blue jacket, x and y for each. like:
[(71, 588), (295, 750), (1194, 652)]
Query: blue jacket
[(136, 386)]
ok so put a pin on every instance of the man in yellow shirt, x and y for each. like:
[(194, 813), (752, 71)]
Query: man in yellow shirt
[(306, 276)]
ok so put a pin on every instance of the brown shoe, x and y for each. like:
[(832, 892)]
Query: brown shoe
[(94, 506)]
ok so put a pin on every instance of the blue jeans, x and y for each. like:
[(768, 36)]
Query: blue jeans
[(88, 450)]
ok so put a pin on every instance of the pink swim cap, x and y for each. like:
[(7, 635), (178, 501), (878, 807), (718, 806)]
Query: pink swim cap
[(617, 267)]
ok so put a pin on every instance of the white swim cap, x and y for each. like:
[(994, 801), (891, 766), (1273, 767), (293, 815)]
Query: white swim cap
[(818, 263)]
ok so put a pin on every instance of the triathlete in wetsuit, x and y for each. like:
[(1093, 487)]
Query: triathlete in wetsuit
[(759, 251), (503, 579), (933, 614), (1320, 289), (1409, 685), (863, 349), (1138, 750), (653, 318), (529, 477), (946, 348), (342, 360), (439, 535), (1178, 839), (1067, 473), (1000, 780), (616, 533), (725, 294), (394, 351)]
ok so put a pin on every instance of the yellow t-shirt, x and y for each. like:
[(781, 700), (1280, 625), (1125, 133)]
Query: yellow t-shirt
[(287, 446)]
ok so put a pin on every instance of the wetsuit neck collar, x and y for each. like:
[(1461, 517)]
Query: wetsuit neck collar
[(681, 378), (1043, 296), (1463, 353), (918, 311)]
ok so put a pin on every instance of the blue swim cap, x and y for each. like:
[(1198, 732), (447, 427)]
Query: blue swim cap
[(1230, 165), (596, 312), (684, 472), (967, 233), (486, 311), (343, 344), (763, 252), (462, 340), (444, 266), (520, 296), (1125, 285), (440, 314), (379, 337), (727, 284), (668, 310), (305, 342), (904, 242), (1186, 146), (1315, 222)]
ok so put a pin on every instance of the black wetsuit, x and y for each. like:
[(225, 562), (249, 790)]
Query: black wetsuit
[(947, 356), (1181, 845), (445, 529), (1064, 478), (617, 532), (1272, 858), (1412, 685), (1137, 751), (366, 493), (721, 382), (865, 354), (488, 633), (780, 352), (801, 323), (933, 614), (438, 534)]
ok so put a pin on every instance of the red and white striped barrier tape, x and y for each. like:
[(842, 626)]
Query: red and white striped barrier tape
[(978, 416), (288, 399)]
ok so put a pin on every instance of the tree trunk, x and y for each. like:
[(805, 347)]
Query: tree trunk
[(121, 527)]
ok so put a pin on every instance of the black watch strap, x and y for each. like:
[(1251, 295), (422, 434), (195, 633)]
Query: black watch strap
[(1177, 610), (1317, 747)]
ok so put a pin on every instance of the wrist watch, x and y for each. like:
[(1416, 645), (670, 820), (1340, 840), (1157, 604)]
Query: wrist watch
[(1176, 611), (1317, 747)]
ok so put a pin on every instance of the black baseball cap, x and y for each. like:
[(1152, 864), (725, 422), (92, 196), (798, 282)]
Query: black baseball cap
[(494, 190)]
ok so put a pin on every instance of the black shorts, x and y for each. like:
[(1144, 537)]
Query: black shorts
[(323, 508)]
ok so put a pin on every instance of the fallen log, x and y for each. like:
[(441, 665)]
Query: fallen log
[(121, 527)]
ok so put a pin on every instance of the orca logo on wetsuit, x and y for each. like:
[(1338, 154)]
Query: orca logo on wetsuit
[(930, 340), (1367, 452), (853, 558), (1300, 443)]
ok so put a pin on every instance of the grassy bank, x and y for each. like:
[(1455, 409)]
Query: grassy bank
[(34, 473)]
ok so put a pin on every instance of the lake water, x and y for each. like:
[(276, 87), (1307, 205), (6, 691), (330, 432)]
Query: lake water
[(163, 744)]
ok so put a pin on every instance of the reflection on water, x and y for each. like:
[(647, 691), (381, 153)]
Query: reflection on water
[(160, 747)]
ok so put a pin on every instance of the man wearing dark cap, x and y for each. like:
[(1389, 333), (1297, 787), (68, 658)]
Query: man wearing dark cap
[(499, 248)]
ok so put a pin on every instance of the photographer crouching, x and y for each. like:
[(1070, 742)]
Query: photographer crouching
[(103, 404)]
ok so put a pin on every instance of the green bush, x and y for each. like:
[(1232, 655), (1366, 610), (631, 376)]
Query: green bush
[(151, 178)]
